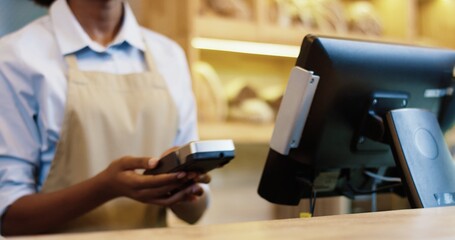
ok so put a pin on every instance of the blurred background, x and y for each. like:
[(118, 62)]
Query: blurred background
[(16, 13), (240, 53)]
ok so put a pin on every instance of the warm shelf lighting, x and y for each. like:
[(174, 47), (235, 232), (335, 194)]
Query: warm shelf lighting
[(268, 49)]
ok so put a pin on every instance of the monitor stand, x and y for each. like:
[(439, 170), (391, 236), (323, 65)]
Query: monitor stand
[(422, 155)]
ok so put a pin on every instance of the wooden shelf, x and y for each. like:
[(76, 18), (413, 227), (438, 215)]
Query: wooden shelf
[(403, 21), (215, 27)]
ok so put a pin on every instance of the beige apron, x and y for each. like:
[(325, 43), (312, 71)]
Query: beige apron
[(108, 116)]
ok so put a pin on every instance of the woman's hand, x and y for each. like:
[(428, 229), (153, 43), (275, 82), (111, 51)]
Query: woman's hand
[(196, 200), (121, 179)]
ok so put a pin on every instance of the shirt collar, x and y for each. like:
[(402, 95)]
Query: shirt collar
[(71, 37)]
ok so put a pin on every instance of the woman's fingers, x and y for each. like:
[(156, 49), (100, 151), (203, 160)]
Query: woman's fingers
[(149, 194), (153, 181), (188, 193), (162, 189), (203, 178)]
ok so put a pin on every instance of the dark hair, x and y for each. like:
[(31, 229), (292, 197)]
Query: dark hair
[(45, 3)]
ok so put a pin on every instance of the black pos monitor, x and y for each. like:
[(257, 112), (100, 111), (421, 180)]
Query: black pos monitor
[(357, 112)]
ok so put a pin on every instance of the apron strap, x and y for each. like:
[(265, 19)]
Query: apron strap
[(148, 57), (71, 60), (73, 69)]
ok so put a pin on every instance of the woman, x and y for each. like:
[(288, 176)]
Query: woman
[(79, 88)]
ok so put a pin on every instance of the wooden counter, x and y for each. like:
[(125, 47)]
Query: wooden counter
[(431, 223)]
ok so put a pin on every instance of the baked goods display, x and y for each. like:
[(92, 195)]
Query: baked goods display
[(321, 15), (363, 19), (327, 16), (249, 104), (330, 16), (209, 92), (235, 100), (240, 9)]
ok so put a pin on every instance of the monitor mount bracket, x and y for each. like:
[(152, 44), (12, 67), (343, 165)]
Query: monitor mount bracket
[(372, 134)]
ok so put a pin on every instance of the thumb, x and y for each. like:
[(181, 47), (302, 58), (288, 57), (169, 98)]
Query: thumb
[(131, 163), (153, 163)]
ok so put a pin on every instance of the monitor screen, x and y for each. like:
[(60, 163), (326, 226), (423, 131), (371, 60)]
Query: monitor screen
[(342, 137)]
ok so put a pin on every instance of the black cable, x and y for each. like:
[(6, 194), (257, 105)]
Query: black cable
[(361, 191), (310, 204), (312, 198), (313, 204)]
